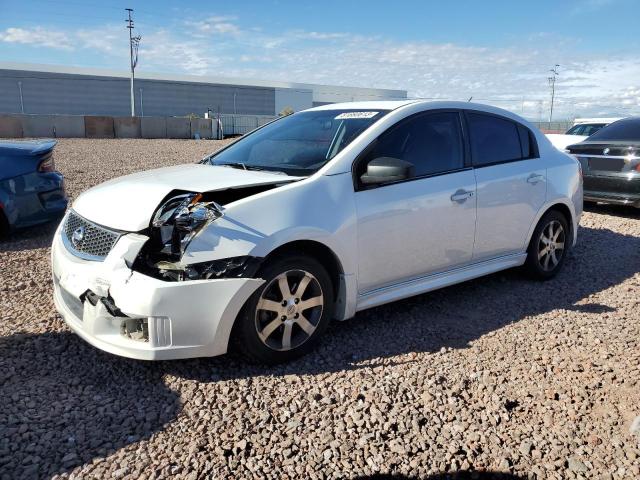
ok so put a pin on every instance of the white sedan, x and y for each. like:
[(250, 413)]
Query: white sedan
[(315, 216)]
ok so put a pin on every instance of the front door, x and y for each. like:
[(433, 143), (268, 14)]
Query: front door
[(424, 224)]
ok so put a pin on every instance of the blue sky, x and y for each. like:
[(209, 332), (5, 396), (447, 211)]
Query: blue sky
[(497, 51)]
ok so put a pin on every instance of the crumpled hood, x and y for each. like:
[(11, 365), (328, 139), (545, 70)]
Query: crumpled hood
[(128, 203)]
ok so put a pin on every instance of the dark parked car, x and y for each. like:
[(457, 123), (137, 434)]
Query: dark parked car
[(610, 160), (31, 191)]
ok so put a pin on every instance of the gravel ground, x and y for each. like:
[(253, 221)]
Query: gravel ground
[(500, 374)]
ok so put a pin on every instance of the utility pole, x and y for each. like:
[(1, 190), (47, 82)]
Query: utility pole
[(134, 42), (552, 84)]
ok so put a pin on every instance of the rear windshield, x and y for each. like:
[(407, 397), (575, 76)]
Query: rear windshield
[(627, 129)]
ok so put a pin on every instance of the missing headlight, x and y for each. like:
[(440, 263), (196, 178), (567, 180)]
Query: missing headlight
[(179, 219)]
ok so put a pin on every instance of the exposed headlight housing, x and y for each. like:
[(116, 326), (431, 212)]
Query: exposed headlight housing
[(180, 219)]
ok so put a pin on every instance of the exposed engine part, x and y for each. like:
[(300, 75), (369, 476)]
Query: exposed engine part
[(179, 219), (235, 267)]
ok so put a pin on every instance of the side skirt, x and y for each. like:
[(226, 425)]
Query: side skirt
[(427, 283)]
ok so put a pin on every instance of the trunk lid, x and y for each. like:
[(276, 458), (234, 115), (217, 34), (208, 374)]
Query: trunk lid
[(22, 157), (607, 159)]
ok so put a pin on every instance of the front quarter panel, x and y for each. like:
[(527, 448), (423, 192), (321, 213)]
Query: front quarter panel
[(319, 208)]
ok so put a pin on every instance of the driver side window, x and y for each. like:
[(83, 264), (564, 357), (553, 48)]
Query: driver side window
[(431, 142)]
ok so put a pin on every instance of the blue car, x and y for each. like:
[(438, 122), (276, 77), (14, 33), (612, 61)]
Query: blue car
[(31, 191)]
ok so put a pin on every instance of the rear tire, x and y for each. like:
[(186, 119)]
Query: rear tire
[(548, 247), (286, 316)]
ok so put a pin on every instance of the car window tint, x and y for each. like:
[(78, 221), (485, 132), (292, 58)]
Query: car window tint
[(525, 141), (622, 130), (591, 129), (493, 139), (431, 142)]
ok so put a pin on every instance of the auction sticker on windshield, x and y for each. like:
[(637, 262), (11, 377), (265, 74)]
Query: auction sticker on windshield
[(351, 115)]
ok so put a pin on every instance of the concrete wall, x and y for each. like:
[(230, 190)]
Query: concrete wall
[(10, 126), (127, 127), (153, 127), (98, 126), (178, 127)]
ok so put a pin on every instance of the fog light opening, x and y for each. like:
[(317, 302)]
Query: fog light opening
[(135, 329)]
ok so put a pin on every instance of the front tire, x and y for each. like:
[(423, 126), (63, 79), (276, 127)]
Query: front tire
[(285, 317), (548, 247)]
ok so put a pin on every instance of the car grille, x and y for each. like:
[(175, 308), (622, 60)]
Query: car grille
[(86, 239)]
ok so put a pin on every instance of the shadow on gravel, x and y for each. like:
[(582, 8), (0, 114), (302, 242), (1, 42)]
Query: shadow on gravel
[(460, 475), (65, 403), (32, 238), (452, 317), (613, 210)]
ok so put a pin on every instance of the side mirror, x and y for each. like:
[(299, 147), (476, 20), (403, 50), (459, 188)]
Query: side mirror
[(385, 170)]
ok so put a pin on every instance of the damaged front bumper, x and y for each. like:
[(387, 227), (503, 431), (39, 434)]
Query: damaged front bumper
[(127, 313)]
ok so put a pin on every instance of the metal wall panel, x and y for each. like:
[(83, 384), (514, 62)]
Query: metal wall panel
[(58, 93), (172, 98)]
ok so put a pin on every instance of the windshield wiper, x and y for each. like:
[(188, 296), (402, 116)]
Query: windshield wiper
[(238, 165)]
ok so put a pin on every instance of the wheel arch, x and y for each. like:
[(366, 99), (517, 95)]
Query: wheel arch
[(317, 250), (562, 207)]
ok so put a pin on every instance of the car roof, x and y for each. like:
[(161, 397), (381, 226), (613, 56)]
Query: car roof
[(365, 105), (426, 104)]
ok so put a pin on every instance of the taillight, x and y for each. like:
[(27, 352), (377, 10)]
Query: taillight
[(47, 165)]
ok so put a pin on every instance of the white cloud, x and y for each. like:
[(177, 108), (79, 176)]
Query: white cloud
[(38, 36), (511, 77), (217, 25)]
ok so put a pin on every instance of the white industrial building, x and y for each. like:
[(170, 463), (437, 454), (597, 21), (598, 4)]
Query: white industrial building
[(46, 89)]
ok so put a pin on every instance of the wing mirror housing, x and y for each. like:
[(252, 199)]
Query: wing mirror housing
[(385, 170)]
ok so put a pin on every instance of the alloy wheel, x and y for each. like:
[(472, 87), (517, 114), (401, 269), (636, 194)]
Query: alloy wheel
[(551, 245), (289, 310)]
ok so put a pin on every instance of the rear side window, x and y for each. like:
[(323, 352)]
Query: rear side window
[(495, 140), (525, 142)]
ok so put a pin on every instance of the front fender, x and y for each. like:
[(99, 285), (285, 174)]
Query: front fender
[(320, 209)]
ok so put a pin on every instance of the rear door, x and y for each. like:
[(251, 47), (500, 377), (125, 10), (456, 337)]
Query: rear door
[(511, 183)]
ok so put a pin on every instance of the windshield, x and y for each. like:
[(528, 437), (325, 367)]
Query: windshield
[(622, 130), (299, 144)]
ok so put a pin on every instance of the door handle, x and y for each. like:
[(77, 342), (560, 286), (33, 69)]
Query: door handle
[(535, 178), (461, 196)]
